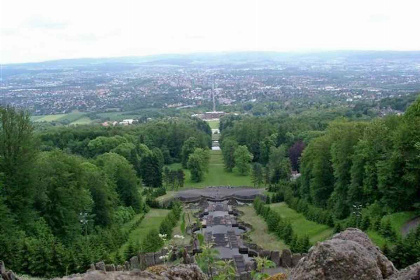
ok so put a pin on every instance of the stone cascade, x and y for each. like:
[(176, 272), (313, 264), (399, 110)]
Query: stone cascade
[(221, 228)]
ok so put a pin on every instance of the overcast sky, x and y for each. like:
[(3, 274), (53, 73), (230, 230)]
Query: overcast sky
[(38, 30)]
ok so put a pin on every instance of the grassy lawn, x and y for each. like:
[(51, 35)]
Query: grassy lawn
[(214, 124), (217, 176), (150, 221), (259, 233), (301, 226)]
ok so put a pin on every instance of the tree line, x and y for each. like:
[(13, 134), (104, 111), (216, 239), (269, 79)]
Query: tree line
[(66, 192), (352, 172)]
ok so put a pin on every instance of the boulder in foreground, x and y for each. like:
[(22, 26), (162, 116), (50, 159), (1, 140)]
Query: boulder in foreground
[(179, 272), (347, 255)]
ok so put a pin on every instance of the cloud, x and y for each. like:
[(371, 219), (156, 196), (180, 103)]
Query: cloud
[(44, 23), (378, 18), (51, 29)]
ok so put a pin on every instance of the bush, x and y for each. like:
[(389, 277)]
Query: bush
[(282, 228), (152, 242)]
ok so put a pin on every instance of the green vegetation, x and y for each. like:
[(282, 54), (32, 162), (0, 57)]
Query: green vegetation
[(82, 121), (214, 124), (353, 173), (259, 233), (48, 118), (242, 160), (216, 176), (73, 118), (198, 164), (282, 227), (301, 226), (152, 220), (81, 189), (399, 219)]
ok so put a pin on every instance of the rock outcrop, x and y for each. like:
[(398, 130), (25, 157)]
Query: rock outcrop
[(410, 273), (6, 274), (347, 255), (356, 235), (179, 272)]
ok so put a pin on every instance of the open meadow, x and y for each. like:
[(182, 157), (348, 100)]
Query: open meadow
[(216, 176)]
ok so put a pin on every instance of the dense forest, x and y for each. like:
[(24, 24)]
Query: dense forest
[(66, 192), (353, 172)]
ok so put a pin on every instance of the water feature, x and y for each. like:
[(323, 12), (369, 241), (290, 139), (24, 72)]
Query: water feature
[(220, 227)]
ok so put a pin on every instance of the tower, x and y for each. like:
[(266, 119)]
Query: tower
[(212, 93)]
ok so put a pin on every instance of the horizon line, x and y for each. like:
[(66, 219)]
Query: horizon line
[(311, 51)]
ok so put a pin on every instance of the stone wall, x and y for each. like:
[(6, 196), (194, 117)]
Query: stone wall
[(143, 261), (284, 258)]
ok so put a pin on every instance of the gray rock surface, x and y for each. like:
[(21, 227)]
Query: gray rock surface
[(410, 273), (110, 267), (100, 266), (286, 258), (275, 257), (134, 263), (149, 259), (337, 259), (180, 272), (265, 254), (347, 255), (295, 259), (6, 274), (356, 235)]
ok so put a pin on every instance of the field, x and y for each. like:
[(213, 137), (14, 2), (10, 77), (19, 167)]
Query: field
[(82, 121), (301, 226), (259, 233), (48, 118), (119, 116), (217, 176), (214, 124), (150, 221), (73, 118)]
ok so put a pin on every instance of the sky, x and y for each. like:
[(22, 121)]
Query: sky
[(40, 30)]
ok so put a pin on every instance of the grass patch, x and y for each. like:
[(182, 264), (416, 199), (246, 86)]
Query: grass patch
[(301, 226), (119, 116), (215, 136), (48, 118), (177, 231), (167, 196), (214, 124), (377, 238), (217, 176), (399, 219), (74, 117), (259, 233), (82, 121), (150, 221)]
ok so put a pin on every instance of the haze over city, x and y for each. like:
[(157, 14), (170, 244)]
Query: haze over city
[(48, 30)]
